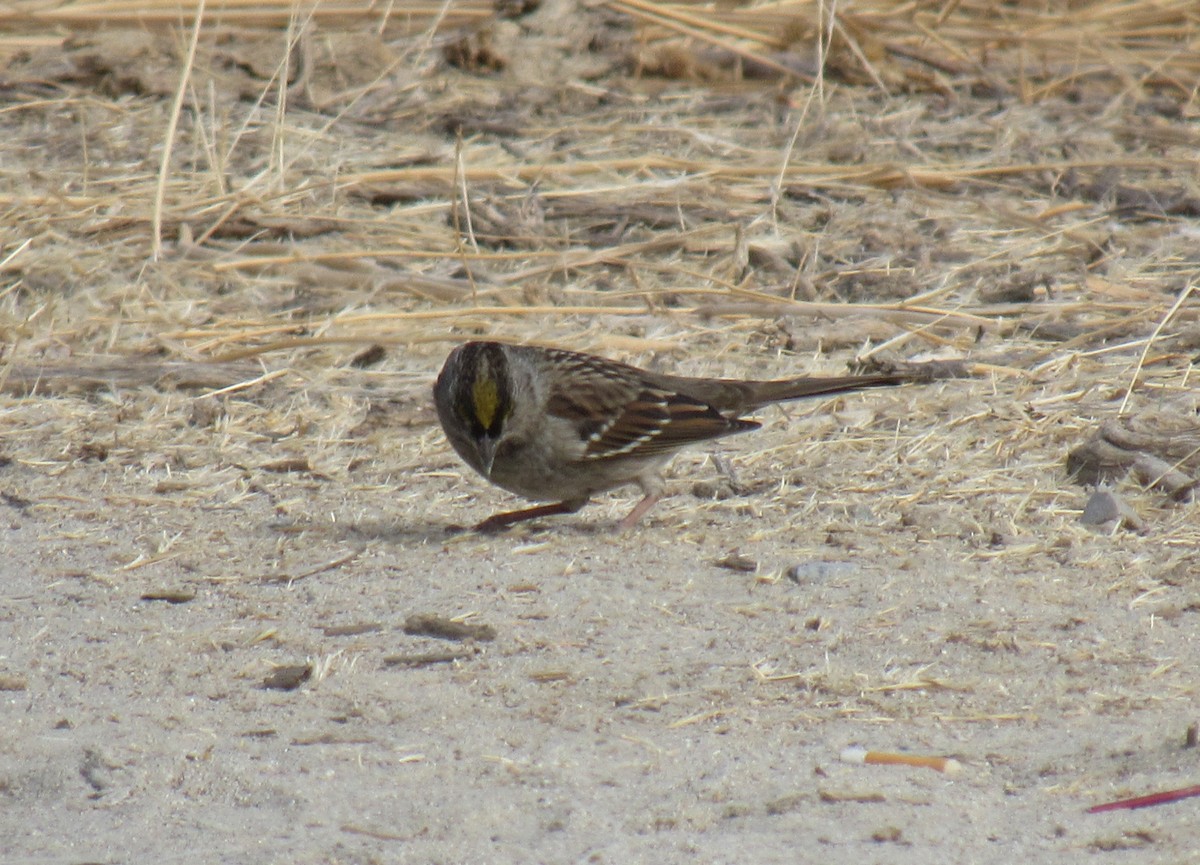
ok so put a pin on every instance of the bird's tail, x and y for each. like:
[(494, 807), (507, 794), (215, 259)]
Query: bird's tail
[(764, 392)]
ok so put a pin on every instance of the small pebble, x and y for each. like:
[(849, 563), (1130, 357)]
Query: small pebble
[(1105, 506), (288, 678), (818, 572)]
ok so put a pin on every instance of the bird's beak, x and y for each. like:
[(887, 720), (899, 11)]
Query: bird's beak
[(487, 454)]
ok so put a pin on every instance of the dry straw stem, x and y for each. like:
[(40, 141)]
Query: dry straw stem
[(169, 136), (111, 373), (1175, 307), (403, 18), (815, 176)]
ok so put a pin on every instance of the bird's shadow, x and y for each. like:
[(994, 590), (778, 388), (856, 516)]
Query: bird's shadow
[(423, 532)]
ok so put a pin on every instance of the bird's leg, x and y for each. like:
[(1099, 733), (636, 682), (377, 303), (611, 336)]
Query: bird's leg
[(639, 510), (652, 490), (496, 522)]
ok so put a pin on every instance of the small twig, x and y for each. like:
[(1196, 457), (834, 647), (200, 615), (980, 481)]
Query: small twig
[(164, 167), (1147, 801), (1183, 295), (328, 566), (425, 659), (460, 183)]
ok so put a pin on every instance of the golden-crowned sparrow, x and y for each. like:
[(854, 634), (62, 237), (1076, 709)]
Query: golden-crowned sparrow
[(559, 426)]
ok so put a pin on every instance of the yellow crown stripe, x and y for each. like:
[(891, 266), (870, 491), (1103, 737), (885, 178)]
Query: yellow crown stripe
[(486, 397)]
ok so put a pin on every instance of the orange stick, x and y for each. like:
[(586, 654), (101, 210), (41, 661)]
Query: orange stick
[(888, 758)]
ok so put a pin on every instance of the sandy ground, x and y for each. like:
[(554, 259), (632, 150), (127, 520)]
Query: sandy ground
[(641, 699), (207, 646)]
